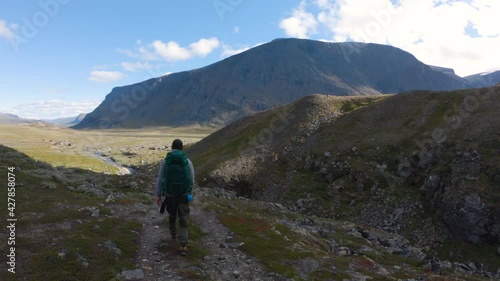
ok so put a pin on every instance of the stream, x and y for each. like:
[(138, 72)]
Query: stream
[(122, 169)]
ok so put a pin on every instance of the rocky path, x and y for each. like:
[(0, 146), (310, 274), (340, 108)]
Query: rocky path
[(158, 256)]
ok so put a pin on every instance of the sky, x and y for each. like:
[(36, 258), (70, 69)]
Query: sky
[(59, 58)]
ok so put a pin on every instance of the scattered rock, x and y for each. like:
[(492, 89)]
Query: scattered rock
[(62, 253), (467, 216), (235, 245), (381, 168), (110, 198), (136, 274), (91, 211), (405, 168), (342, 251), (83, 261), (133, 185), (112, 247)]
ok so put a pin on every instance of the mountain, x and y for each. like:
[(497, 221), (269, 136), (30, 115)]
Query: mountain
[(67, 121), (445, 70), (422, 164), (7, 118), (268, 75), (484, 79), (78, 118)]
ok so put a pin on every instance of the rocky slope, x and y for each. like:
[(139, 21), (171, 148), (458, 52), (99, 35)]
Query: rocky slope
[(272, 74), (424, 165)]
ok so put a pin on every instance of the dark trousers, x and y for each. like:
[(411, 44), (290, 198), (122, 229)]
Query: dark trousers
[(178, 207)]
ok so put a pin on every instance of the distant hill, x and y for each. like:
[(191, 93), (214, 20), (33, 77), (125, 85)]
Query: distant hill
[(263, 77), (67, 121), (484, 79), (7, 118)]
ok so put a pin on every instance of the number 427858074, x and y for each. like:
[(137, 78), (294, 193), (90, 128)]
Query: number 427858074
[(11, 178)]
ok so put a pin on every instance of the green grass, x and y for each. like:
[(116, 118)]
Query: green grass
[(67, 160), (356, 103), (50, 220), (38, 143), (84, 241), (268, 243), (209, 159), (306, 184), (460, 252), (274, 244)]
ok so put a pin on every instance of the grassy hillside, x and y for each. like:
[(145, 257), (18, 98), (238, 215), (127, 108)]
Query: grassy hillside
[(270, 130), (421, 164), (55, 228)]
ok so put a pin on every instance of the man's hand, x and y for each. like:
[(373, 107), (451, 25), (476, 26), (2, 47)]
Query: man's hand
[(158, 200)]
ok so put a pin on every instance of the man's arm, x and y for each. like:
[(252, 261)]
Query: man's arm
[(158, 182), (191, 171)]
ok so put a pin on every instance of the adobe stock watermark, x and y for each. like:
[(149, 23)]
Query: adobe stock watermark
[(31, 26), (223, 6)]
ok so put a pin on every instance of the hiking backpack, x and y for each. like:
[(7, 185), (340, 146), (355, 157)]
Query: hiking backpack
[(176, 175)]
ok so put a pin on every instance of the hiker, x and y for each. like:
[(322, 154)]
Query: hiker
[(173, 188)]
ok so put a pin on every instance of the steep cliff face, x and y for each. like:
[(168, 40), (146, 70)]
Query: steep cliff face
[(268, 75)]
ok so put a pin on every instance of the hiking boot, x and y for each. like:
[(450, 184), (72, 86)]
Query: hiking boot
[(183, 251)]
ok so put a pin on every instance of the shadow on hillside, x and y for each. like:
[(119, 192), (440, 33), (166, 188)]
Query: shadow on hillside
[(64, 216)]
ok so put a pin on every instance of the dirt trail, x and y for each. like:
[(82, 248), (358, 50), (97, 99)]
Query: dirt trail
[(159, 258)]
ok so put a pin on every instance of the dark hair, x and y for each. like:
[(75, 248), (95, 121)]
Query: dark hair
[(177, 144)]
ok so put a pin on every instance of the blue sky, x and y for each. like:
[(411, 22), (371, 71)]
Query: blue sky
[(62, 57)]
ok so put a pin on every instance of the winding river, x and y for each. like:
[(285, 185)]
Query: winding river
[(122, 169)]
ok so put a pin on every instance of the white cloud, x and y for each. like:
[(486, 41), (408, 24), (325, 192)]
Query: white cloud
[(204, 46), (7, 30), (141, 52), (228, 51), (135, 66), (105, 76), (55, 108), (236, 29), (435, 31), (172, 51), (301, 24)]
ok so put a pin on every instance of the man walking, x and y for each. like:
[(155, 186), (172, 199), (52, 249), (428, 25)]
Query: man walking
[(173, 187)]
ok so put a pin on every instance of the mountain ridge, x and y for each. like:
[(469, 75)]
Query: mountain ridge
[(268, 75)]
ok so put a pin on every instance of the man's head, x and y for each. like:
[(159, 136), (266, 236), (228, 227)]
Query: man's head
[(177, 144)]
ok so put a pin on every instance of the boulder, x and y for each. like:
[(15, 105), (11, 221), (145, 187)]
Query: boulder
[(467, 216), (137, 274)]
